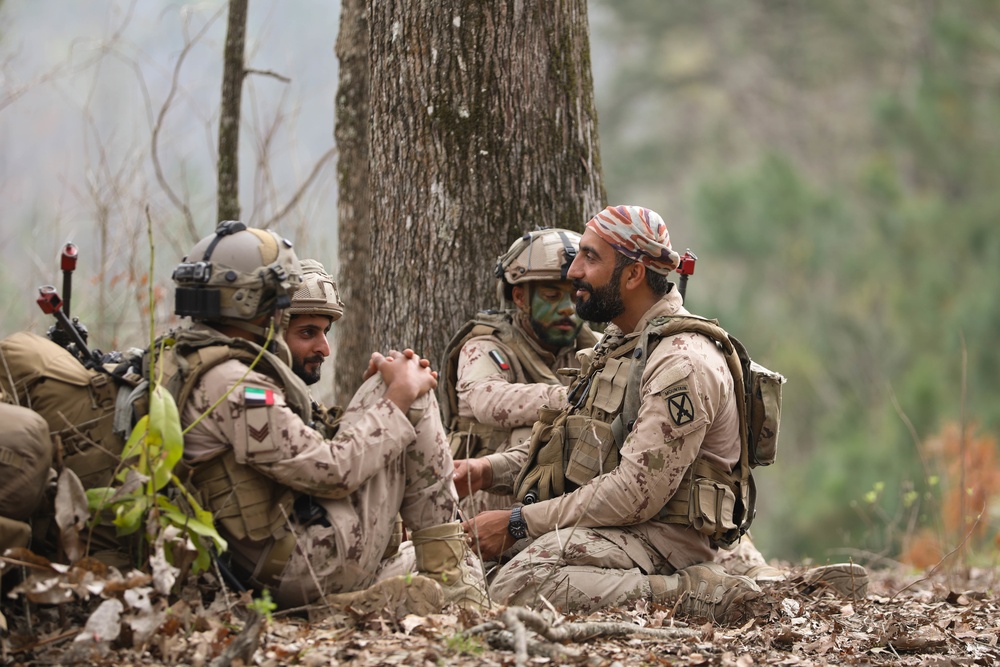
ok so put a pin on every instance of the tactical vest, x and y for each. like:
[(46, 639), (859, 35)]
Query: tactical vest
[(603, 406), (467, 437), (246, 504)]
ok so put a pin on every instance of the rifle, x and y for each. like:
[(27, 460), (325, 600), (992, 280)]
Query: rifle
[(51, 304), (686, 268)]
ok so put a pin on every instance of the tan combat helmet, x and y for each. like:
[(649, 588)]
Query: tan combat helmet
[(236, 275), (543, 254), (317, 295)]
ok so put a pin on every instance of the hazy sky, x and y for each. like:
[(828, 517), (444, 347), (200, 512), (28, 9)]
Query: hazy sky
[(81, 86)]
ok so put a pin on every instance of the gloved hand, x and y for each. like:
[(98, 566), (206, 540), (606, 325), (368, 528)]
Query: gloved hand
[(544, 469)]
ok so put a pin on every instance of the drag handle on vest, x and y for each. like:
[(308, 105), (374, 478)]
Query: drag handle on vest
[(50, 303), (686, 268)]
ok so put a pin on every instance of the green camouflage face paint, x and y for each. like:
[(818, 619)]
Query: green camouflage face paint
[(553, 315)]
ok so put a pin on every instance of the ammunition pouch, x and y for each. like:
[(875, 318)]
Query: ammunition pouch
[(709, 500), (590, 447), (247, 507)]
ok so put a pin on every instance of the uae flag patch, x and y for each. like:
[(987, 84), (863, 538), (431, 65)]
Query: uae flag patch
[(257, 398)]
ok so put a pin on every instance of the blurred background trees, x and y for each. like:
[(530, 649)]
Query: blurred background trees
[(835, 167), (833, 164)]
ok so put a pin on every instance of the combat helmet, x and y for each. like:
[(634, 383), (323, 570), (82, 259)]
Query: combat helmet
[(543, 254), (236, 275), (317, 295)]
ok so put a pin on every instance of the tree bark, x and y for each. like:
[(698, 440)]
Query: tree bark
[(352, 333), (483, 127), (233, 72)]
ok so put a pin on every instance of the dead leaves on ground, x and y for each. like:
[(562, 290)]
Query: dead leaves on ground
[(90, 613)]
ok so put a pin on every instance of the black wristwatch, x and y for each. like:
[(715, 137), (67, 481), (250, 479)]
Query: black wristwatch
[(517, 528)]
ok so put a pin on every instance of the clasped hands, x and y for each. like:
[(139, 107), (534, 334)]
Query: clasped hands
[(406, 375)]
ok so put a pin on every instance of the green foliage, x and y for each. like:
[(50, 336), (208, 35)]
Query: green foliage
[(264, 605), (465, 644), (153, 449)]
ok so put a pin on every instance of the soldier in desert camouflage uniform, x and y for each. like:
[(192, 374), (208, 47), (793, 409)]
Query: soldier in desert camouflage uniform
[(306, 516), (602, 533), (503, 365)]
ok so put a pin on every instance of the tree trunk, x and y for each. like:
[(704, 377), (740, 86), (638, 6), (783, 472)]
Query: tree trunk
[(229, 113), (483, 127), (353, 332)]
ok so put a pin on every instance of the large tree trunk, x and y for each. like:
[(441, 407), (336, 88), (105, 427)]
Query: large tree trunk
[(483, 127), (352, 333), (229, 113)]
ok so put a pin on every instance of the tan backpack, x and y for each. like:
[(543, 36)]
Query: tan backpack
[(77, 403)]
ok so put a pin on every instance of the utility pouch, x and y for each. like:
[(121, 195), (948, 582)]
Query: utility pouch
[(590, 449), (611, 383), (712, 507), (764, 414)]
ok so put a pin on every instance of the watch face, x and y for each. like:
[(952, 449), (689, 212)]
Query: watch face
[(517, 528)]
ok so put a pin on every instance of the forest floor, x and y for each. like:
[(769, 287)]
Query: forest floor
[(906, 619)]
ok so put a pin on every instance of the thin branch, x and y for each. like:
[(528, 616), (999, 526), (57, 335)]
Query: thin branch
[(154, 152), (294, 201), (266, 72)]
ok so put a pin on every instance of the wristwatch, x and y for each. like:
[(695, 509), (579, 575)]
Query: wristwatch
[(517, 528)]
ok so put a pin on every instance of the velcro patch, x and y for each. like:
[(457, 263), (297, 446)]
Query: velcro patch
[(257, 398)]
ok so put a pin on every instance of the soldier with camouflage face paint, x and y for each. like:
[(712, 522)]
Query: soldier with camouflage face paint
[(605, 531), (306, 516), (503, 365)]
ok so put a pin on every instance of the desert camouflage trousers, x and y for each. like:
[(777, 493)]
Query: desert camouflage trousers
[(580, 570), (344, 552)]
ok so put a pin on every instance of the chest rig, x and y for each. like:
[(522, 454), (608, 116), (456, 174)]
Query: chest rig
[(603, 406), (249, 508)]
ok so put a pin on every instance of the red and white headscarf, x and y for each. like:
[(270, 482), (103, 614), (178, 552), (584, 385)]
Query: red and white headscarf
[(639, 234)]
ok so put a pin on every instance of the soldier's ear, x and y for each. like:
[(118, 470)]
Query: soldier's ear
[(519, 293)]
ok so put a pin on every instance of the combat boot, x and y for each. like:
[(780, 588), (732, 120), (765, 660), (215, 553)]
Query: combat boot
[(705, 591), (846, 580), (443, 555), (400, 595)]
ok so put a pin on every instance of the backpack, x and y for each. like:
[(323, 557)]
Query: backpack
[(77, 403), (761, 387)]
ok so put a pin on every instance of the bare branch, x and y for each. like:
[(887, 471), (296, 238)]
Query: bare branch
[(154, 147), (267, 72), (293, 202)]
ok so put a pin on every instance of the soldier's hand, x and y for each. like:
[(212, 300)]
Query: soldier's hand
[(405, 378), (488, 533), (408, 353), (472, 475)]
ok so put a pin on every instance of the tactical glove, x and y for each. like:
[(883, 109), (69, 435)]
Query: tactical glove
[(543, 473)]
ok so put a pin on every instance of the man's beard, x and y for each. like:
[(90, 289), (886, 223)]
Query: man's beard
[(605, 303), (309, 377)]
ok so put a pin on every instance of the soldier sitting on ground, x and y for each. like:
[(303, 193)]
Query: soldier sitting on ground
[(304, 516), (614, 524), (502, 366)]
